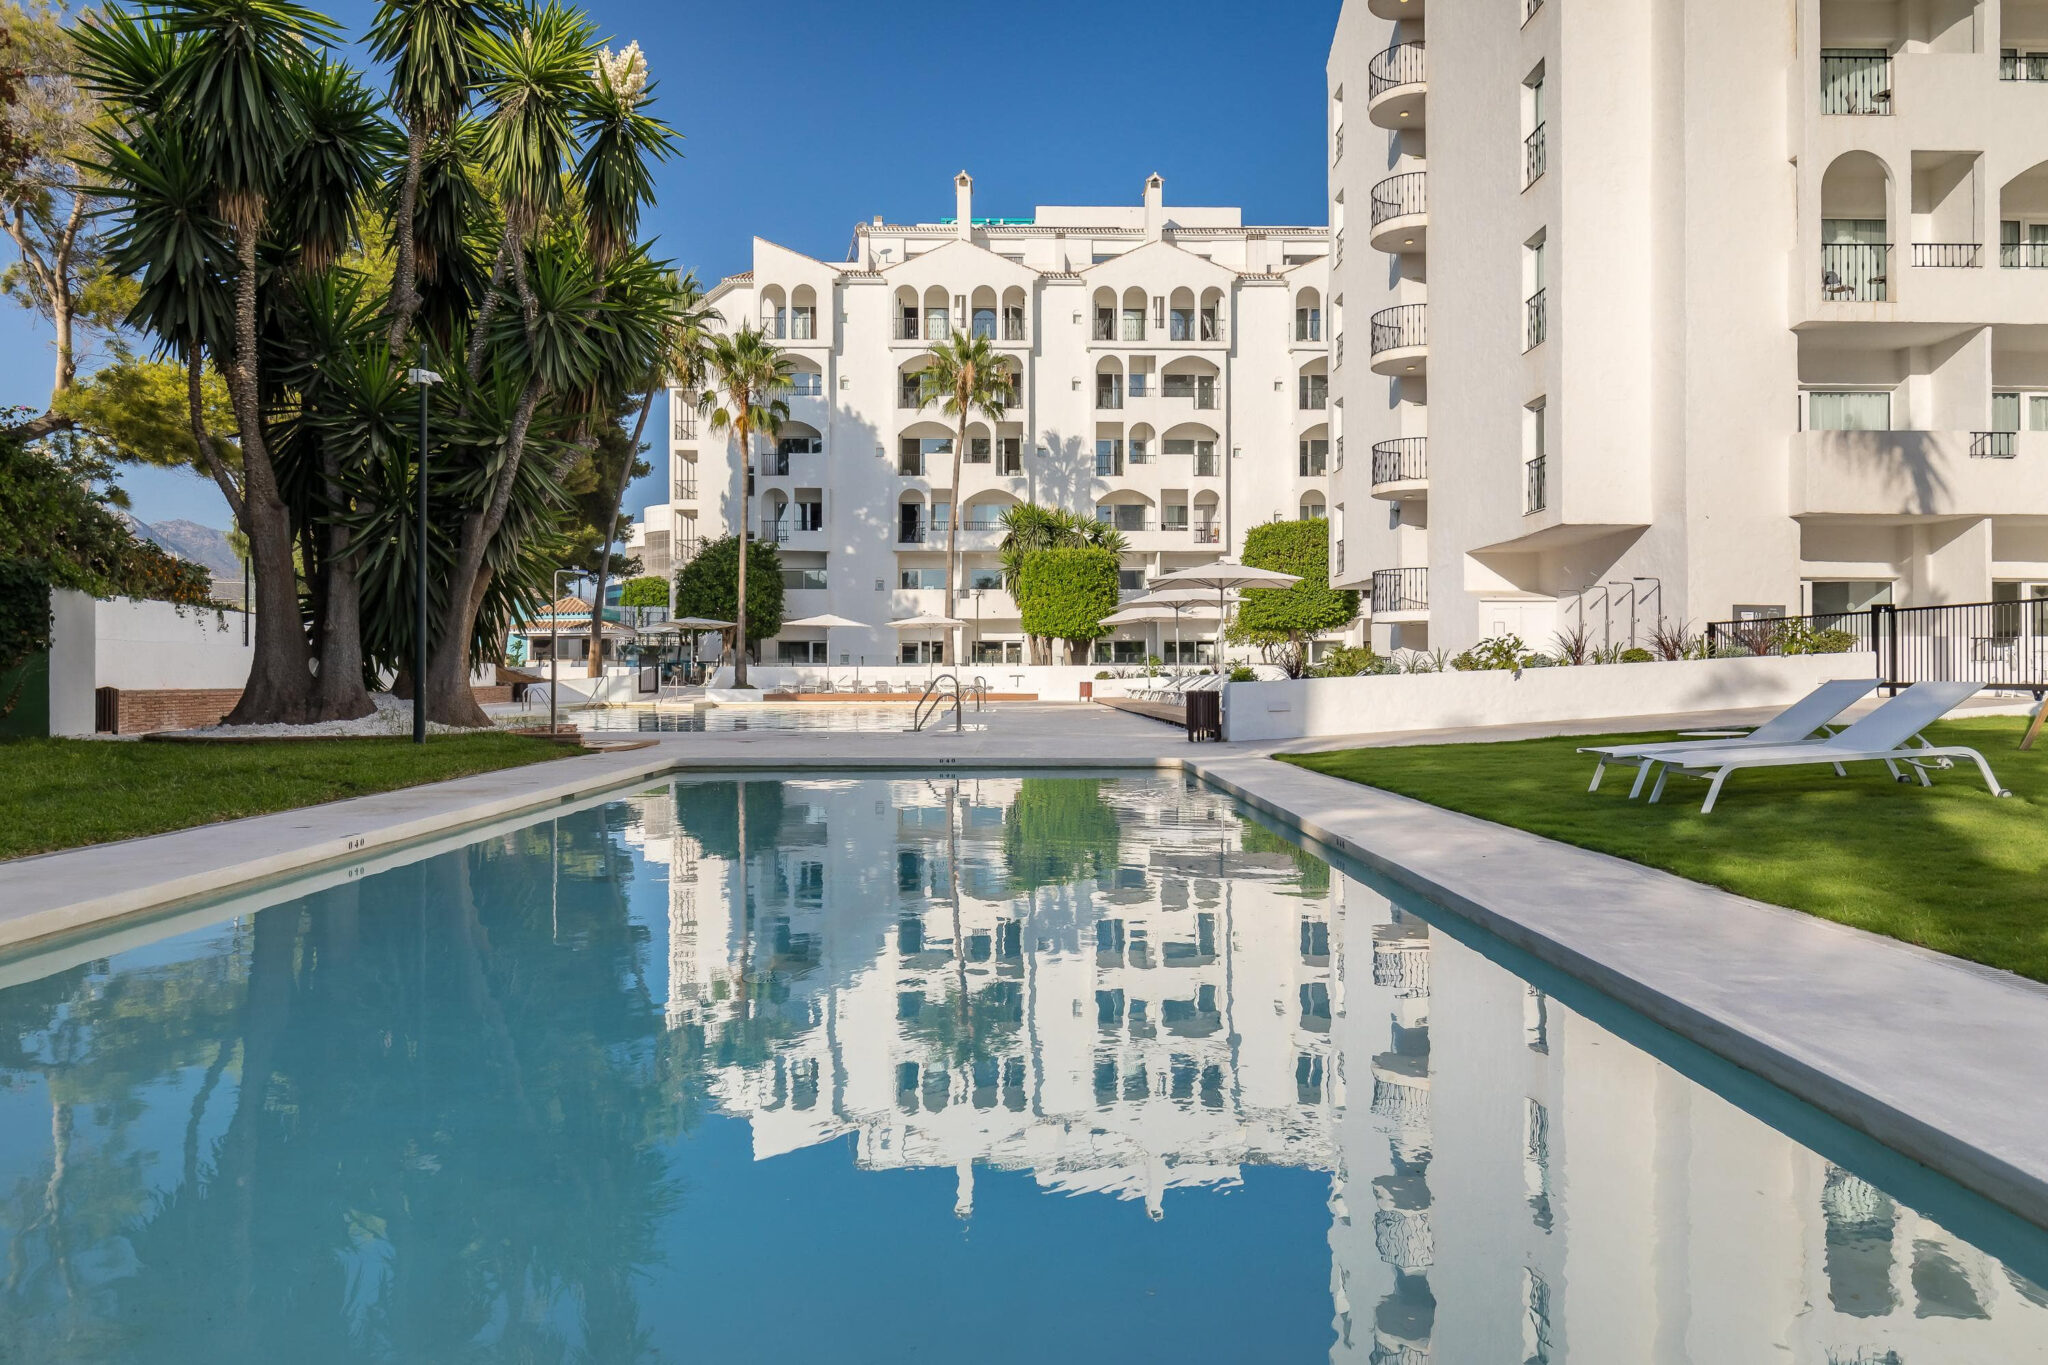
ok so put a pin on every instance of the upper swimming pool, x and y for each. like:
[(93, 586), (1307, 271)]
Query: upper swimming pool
[(883, 1068), (762, 716)]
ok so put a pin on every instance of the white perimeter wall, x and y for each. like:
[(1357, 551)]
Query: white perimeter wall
[(1431, 701), (136, 646)]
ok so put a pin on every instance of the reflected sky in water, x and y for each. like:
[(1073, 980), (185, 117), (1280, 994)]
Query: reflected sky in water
[(882, 1069)]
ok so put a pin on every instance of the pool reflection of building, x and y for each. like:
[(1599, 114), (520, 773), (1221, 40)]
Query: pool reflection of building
[(1148, 996)]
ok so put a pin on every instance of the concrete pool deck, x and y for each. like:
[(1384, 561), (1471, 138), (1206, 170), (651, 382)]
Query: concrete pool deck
[(1939, 1059)]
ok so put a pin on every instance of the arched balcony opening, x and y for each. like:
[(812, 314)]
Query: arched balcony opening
[(1127, 510), (909, 315), (773, 319), (1856, 216), (1144, 444), (1105, 314), (803, 314), (983, 319), (1130, 323), (1014, 306), (2023, 220), (1209, 317), (1109, 384), (1308, 315)]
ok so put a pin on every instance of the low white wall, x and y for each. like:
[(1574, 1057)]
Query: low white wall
[(148, 646), (1435, 701), (1049, 682), (74, 654)]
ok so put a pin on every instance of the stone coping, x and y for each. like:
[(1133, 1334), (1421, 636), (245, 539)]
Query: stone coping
[(1936, 1058)]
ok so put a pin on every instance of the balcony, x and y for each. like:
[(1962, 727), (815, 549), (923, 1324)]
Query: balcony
[(2023, 255), (2023, 66), (913, 532), (1538, 324), (1208, 533), (1400, 340), (1397, 81), (1855, 272), (1535, 485), (685, 489), (909, 328), (1400, 213), (682, 418), (1919, 475), (1856, 81), (1535, 157), (1400, 468), (1395, 9), (1400, 594), (1200, 387), (1948, 255)]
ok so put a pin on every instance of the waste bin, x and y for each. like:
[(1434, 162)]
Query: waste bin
[(1205, 715)]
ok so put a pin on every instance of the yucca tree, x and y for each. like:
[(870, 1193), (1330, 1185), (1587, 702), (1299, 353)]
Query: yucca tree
[(621, 143), (431, 47), (681, 366), (749, 374), (964, 377)]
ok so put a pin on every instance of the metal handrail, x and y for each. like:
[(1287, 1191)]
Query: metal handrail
[(936, 696)]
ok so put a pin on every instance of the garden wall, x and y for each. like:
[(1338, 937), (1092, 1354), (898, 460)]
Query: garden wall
[(1433, 701), (138, 647)]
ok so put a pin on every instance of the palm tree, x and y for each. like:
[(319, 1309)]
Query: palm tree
[(1029, 528), (681, 367), (431, 45), (964, 376), (752, 372)]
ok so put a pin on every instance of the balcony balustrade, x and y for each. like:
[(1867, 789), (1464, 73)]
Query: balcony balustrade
[(1395, 590), (2023, 255), (1856, 81), (1401, 64), (1948, 255), (1399, 334), (1535, 157), (1855, 272), (1404, 459), (1538, 321), (1536, 485)]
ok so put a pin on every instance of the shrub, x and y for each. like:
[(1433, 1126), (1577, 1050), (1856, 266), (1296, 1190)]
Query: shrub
[(1797, 637), (1282, 621), (652, 591), (1350, 661), (1500, 653), (1063, 594), (1244, 673), (1637, 655), (1103, 675)]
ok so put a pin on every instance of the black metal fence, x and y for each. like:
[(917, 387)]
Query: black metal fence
[(1400, 590), (1401, 64), (2000, 644), (1401, 460), (1401, 326)]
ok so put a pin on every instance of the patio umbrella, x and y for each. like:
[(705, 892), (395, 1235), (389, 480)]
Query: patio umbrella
[(1154, 608), (826, 621), (926, 620), (692, 626), (1222, 576)]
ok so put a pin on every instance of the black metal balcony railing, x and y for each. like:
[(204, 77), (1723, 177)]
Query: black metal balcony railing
[(1400, 590), (1539, 321), (1991, 445), (1855, 83), (1401, 64), (1338, 138), (911, 532), (1855, 272), (1208, 533), (1400, 196), (2023, 255), (1536, 490), (1535, 157), (1529, 8), (1948, 254), (1402, 460), (803, 324), (2023, 66), (1400, 327), (775, 530), (1308, 329)]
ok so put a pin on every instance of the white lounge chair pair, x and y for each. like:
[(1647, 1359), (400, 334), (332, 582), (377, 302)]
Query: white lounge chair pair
[(1889, 735)]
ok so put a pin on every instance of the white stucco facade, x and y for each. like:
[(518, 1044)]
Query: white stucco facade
[(1707, 308), (1173, 367)]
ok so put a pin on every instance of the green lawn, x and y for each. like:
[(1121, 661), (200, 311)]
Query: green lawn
[(61, 793), (1949, 867)]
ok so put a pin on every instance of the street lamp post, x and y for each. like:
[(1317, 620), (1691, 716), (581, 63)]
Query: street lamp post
[(425, 379), (554, 643)]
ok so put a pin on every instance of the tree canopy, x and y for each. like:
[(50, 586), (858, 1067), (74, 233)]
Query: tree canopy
[(708, 586), (1282, 621), (1063, 594), (646, 591)]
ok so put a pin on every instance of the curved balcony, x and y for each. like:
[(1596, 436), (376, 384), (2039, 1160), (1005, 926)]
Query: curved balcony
[(1400, 340), (1395, 9), (1400, 213), (1400, 468), (1396, 81), (1400, 595)]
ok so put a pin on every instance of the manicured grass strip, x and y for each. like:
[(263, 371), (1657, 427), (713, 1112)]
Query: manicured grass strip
[(63, 793), (1949, 867)]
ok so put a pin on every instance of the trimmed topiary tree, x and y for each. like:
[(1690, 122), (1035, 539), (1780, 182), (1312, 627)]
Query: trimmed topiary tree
[(708, 585), (1282, 621), (1063, 594), (645, 591)]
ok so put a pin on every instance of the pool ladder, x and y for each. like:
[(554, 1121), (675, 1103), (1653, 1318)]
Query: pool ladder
[(944, 689)]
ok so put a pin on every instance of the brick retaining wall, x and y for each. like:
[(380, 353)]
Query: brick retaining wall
[(127, 711)]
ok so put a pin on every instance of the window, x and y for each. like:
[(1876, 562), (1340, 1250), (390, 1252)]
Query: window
[(2023, 243), (983, 323), (800, 652), (1119, 651), (800, 445), (1538, 321), (1109, 390), (1308, 324), (1134, 324), (1125, 516), (1013, 456), (1109, 458), (800, 580), (1840, 599), (987, 580), (922, 580), (1181, 324), (1174, 517), (1315, 458), (978, 450), (1844, 410), (910, 390), (1534, 155), (803, 323), (910, 458), (806, 384), (1314, 390), (1130, 580), (924, 651), (1855, 80)]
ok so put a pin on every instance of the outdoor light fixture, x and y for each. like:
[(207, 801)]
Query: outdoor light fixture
[(425, 379)]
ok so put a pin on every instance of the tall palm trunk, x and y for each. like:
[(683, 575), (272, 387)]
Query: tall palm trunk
[(280, 684), (953, 532), (739, 667), (405, 299), (604, 560)]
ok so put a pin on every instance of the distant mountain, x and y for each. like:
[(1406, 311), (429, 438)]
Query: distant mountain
[(188, 540)]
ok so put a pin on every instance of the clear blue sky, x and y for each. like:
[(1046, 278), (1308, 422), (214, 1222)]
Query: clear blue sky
[(805, 117)]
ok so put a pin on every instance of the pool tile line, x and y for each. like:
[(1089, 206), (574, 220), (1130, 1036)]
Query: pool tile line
[(1936, 1058)]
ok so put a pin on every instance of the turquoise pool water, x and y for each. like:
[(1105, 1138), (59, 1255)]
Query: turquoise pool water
[(759, 716), (892, 1069)]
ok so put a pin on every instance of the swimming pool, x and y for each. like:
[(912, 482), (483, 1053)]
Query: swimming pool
[(881, 1068)]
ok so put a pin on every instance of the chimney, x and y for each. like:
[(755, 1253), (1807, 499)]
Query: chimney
[(1155, 206), (963, 206)]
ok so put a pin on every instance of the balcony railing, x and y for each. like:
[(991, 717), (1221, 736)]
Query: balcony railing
[(1107, 398), (1400, 196), (682, 418), (1208, 533), (1948, 254), (686, 490), (1529, 8), (1338, 137), (775, 531), (1536, 491), (1539, 321), (1855, 272), (686, 549), (774, 328), (2023, 255), (1534, 157), (1991, 445), (1308, 329), (1402, 460), (1401, 64), (1399, 327), (929, 329), (1400, 590), (911, 533), (2023, 66), (1858, 82), (1140, 523)]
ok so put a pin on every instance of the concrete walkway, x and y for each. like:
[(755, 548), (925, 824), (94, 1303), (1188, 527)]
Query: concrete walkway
[(1937, 1058)]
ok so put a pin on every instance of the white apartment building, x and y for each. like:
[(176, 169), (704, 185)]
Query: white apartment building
[(1687, 310), (1173, 383)]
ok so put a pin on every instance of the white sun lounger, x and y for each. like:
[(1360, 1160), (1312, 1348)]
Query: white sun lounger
[(1795, 723), (1879, 737)]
